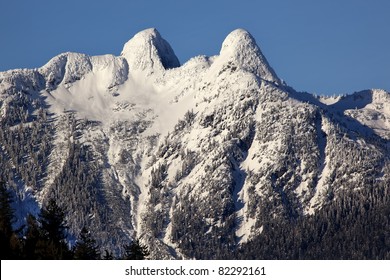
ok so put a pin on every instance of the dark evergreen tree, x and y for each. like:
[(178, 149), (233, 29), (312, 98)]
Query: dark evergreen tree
[(53, 245), (355, 226), (135, 251), (6, 211), (86, 248), (53, 222), (32, 238), (9, 242)]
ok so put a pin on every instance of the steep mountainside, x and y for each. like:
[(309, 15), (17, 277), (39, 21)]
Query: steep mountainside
[(194, 159)]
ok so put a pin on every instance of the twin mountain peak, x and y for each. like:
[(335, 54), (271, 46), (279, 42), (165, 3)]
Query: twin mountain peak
[(147, 52), (176, 154), (148, 49)]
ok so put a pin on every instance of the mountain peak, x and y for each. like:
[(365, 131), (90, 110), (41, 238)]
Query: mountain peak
[(150, 32), (148, 51), (238, 37), (241, 48)]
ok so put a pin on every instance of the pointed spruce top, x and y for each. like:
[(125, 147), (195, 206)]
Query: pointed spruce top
[(148, 51), (240, 48)]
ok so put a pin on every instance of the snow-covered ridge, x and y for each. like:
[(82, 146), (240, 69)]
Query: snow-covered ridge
[(218, 143), (147, 52), (69, 67)]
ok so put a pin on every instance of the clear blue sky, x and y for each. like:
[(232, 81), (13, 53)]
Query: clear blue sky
[(324, 46)]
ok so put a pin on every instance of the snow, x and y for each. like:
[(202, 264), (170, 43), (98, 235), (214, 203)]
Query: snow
[(147, 51), (241, 50), (371, 108), (65, 68), (324, 169), (147, 84), (329, 100)]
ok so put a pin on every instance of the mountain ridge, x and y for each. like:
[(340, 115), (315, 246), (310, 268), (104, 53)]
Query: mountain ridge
[(183, 156)]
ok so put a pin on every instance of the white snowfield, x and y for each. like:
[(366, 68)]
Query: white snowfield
[(229, 132)]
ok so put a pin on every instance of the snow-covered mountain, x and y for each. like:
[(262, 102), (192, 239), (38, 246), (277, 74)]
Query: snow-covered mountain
[(194, 158)]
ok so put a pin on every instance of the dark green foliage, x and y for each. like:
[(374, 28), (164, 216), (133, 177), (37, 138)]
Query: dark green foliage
[(9, 242), (135, 251), (45, 237), (33, 238), (53, 223), (354, 226), (52, 244), (6, 212), (199, 238), (85, 248)]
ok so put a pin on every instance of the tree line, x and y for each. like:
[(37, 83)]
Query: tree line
[(45, 237)]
